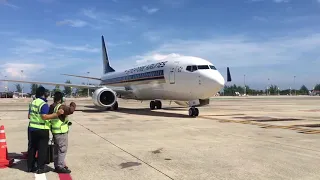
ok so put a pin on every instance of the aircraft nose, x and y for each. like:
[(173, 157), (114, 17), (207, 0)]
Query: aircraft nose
[(219, 80), (215, 80)]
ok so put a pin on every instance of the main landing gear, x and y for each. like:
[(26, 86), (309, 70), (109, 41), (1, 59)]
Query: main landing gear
[(193, 111), (155, 104)]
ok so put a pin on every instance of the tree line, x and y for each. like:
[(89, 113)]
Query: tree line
[(68, 91), (227, 90), (272, 90)]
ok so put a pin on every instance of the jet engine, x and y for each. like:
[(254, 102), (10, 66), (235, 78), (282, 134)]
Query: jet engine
[(104, 97)]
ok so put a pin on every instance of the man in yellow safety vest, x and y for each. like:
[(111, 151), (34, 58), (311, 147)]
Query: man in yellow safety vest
[(39, 126), (59, 130)]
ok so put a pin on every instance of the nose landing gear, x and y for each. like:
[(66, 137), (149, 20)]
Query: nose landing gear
[(155, 104), (193, 111)]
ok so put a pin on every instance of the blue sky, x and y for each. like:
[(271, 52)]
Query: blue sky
[(275, 39)]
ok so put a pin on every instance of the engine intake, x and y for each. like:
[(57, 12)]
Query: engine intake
[(104, 97)]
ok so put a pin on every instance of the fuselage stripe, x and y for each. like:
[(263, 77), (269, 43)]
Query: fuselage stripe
[(136, 77)]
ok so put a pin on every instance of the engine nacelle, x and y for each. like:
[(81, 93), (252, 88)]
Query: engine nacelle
[(104, 97)]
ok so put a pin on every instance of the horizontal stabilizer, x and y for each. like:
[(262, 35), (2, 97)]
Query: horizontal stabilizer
[(86, 77)]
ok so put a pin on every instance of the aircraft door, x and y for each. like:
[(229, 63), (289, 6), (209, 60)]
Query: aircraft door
[(172, 74)]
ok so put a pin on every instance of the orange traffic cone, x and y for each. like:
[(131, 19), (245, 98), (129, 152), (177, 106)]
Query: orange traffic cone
[(4, 161)]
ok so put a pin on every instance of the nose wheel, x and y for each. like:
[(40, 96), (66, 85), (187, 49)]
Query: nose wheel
[(193, 111), (155, 104)]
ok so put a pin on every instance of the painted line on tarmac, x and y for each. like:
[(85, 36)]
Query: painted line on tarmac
[(40, 176), (63, 176)]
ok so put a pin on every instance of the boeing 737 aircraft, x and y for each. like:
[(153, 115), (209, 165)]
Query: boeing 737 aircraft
[(186, 80)]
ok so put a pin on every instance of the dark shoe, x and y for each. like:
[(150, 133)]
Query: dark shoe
[(62, 170), (67, 168), (34, 169), (40, 171)]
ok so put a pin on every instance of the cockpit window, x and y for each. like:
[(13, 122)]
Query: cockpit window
[(191, 68), (212, 67), (203, 67), (194, 67)]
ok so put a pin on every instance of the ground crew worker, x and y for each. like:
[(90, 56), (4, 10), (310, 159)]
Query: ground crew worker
[(39, 130), (59, 130), (29, 129)]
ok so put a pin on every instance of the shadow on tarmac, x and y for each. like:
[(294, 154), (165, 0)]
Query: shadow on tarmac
[(21, 163), (140, 111)]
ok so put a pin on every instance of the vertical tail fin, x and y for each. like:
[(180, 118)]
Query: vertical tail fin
[(106, 66)]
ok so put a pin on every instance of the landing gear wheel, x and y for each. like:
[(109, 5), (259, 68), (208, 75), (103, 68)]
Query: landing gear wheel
[(158, 104), (152, 105), (115, 106), (193, 111), (196, 112)]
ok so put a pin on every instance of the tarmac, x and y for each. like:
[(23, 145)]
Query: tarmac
[(274, 137)]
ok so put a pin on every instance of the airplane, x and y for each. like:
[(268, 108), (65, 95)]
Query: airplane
[(186, 80)]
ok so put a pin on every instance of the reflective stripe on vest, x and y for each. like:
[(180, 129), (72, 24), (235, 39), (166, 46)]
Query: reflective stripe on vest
[(35, 118), (58, 126)]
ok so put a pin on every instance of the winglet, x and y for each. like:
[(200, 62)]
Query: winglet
[(228, 75), (106, 66)]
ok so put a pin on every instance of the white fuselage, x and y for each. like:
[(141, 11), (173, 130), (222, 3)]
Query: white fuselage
[(169, 79)]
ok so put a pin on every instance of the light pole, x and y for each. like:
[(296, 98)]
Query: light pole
[(268, 91), (294, 82), (244, 82), (88, 85), (6, 87), (22, 83)]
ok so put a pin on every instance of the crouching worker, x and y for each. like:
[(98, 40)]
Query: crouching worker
[(60, 129)]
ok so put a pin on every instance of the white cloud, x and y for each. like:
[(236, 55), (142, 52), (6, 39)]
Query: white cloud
[(124, 18), (6, 3), (46, 1), (240, 51), (101, 19), (160, 34), (73, 23), (152, 36), (85, 48), (13, 70), (280, 1), (154, 57), (150, 10), (33, 46), (90, 13), (259, 18), (276, 1), (119, 43), (174, 3)]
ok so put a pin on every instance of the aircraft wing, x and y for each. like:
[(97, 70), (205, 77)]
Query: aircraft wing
[(51, 83), (86, 77), (120, 91)]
